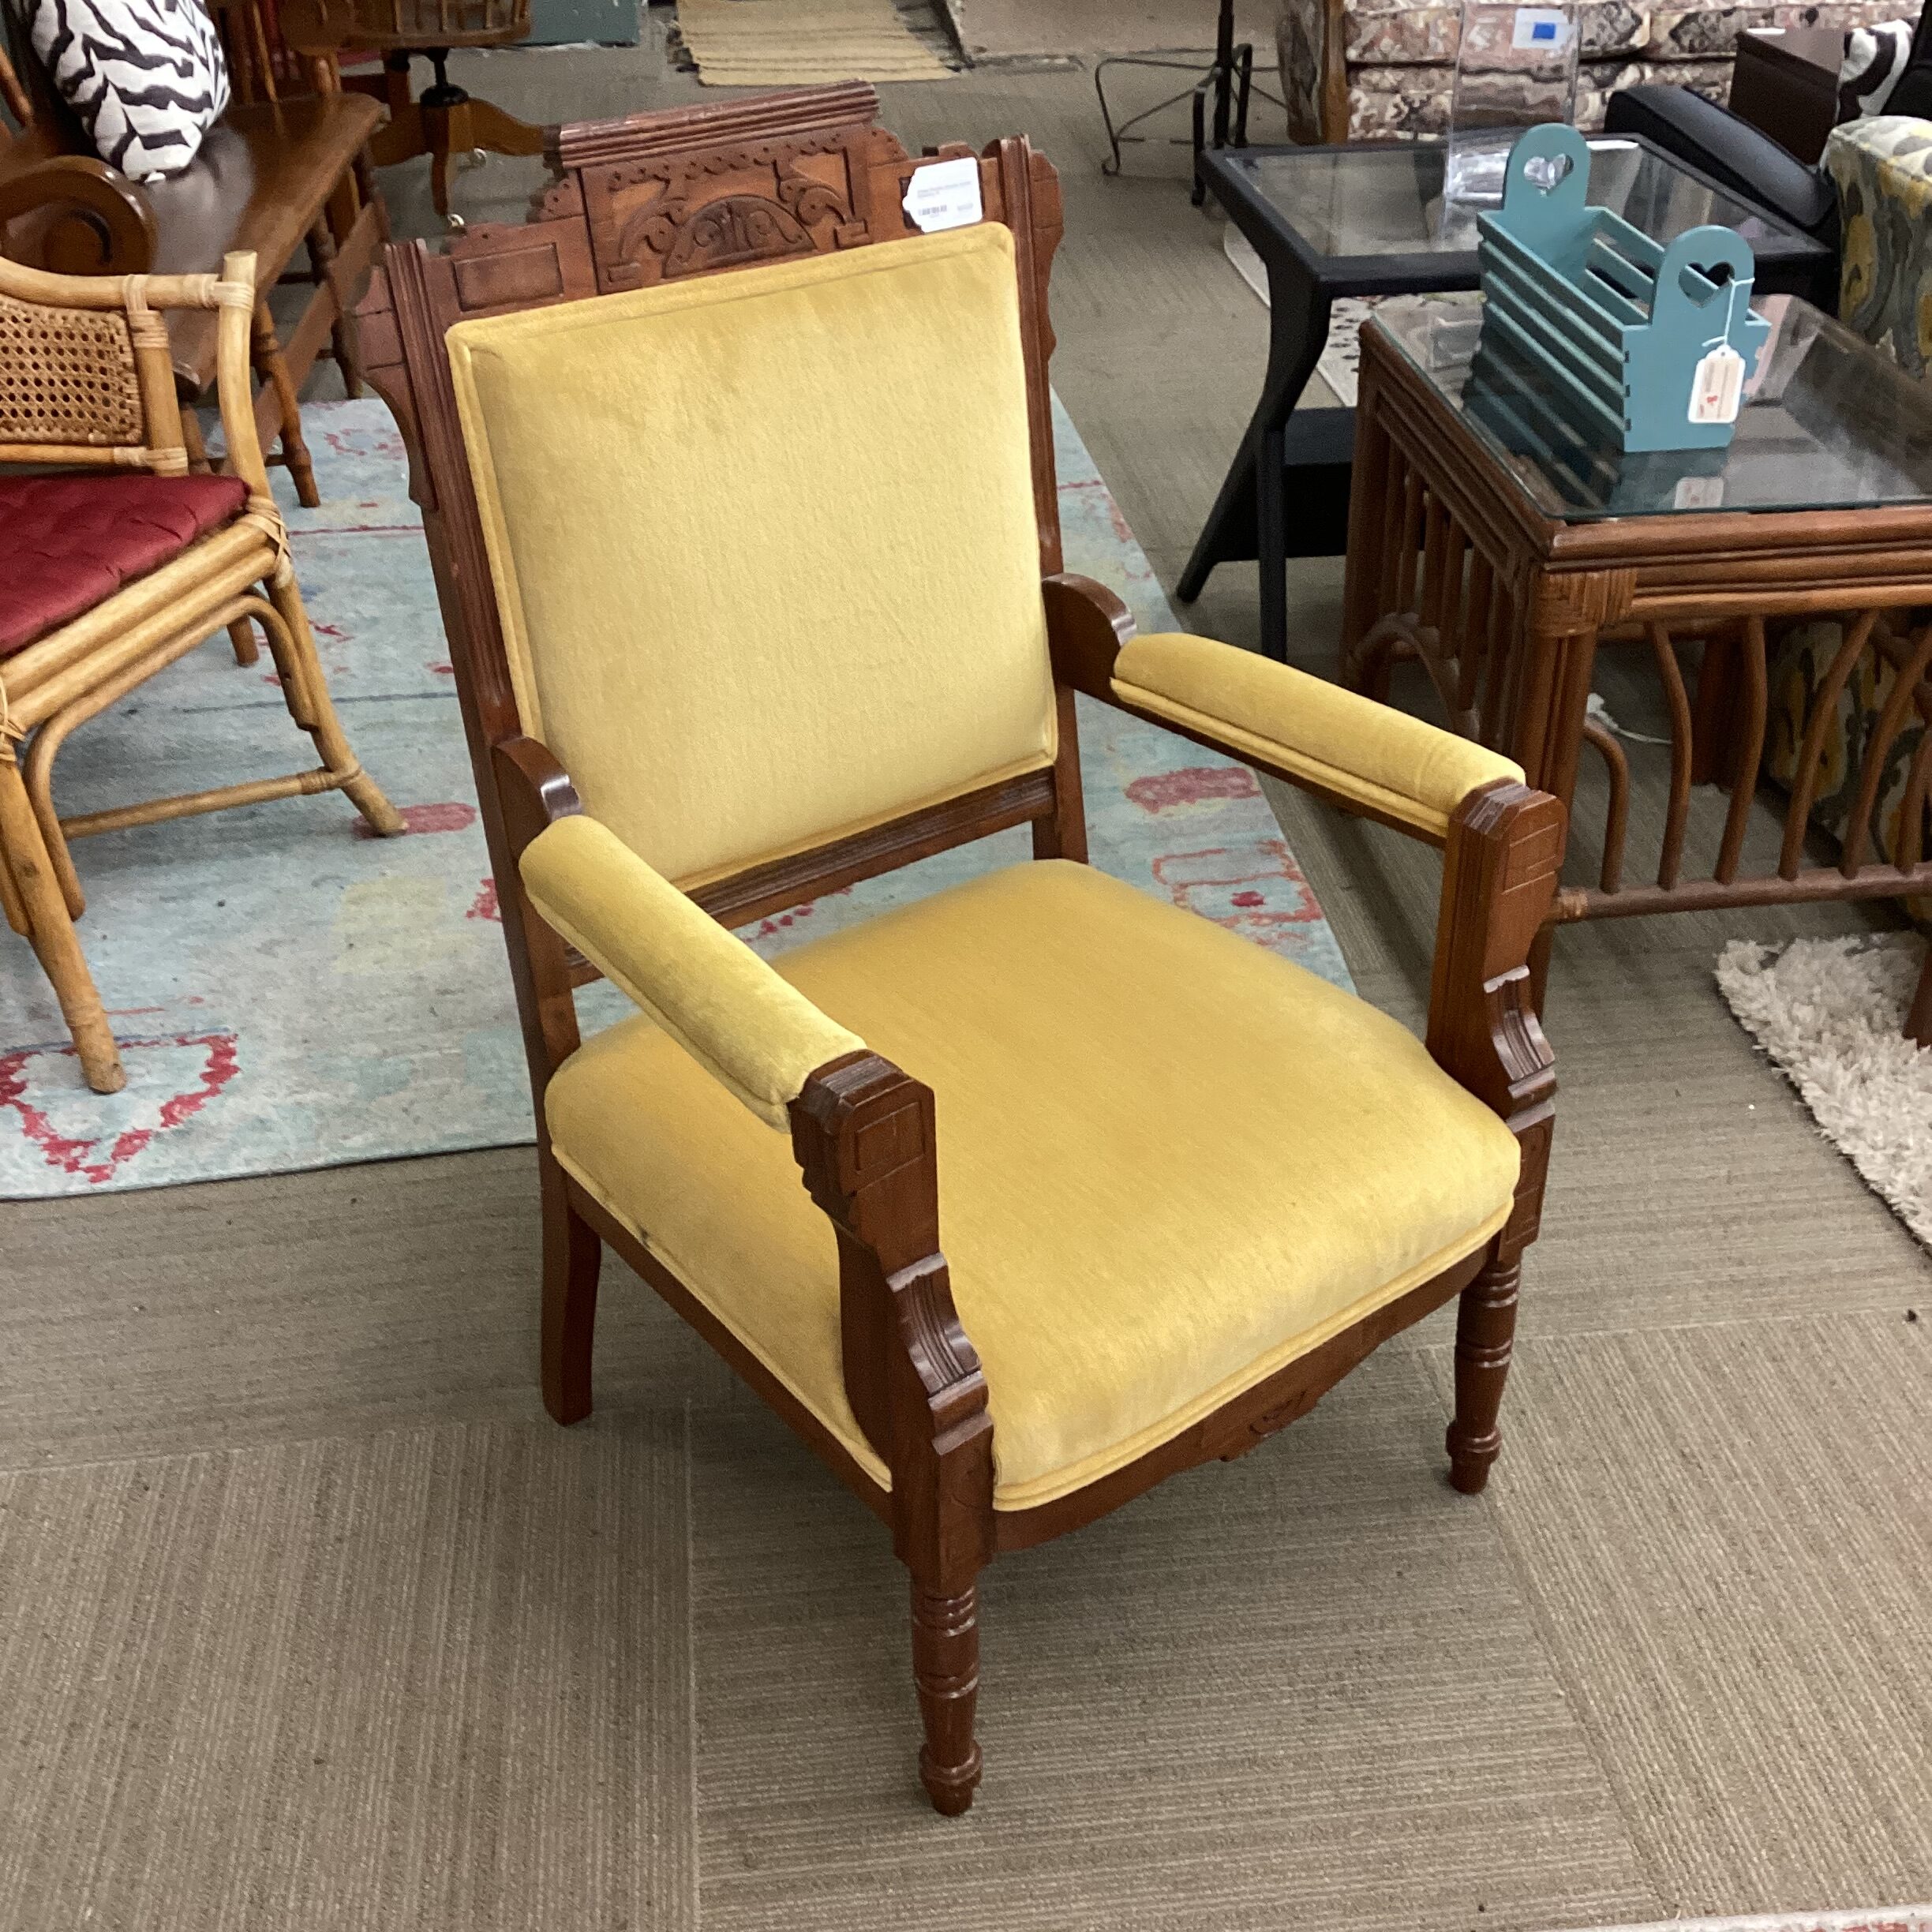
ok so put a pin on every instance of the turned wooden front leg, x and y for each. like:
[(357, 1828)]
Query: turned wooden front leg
[(863, 1133), (945, 1670), (280, 407), (1485, 1334)]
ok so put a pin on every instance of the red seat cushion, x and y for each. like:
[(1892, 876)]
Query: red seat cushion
[(68, 542)]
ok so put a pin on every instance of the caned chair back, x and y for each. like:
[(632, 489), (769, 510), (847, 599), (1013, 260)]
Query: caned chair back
[(764, 545), (86, 376)]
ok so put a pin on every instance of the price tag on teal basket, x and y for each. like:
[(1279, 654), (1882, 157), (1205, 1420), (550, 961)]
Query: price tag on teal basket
[(1718, 386)]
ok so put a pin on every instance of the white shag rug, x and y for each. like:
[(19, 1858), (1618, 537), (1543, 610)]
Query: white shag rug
[(1829, 1012)]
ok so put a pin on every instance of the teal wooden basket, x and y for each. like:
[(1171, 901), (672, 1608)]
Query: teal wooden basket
[(1629, 333)]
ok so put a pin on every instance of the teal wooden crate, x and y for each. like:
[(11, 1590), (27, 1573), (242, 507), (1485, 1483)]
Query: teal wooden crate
[(1639, 340)]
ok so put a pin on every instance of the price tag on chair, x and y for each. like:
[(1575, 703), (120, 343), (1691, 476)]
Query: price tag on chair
[(944, 194)]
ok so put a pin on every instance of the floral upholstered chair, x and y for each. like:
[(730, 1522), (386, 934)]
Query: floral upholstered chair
[(1352, 71), (1882, 168)]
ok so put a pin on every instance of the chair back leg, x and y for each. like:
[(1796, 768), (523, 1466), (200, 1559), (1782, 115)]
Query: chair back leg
[(573, 1256), (343, 342), (242, 640), (305, 690), (284, 410)]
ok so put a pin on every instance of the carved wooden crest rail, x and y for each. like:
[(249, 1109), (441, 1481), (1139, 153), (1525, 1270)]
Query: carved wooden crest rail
[(652, 198)]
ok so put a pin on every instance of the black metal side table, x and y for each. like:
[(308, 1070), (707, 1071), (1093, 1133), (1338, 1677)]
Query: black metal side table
[(1228, 77), (1366, 219)]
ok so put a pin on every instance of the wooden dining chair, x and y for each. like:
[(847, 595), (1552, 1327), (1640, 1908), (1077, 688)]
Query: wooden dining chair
[(117, 562), (445, 121), (755, 592)]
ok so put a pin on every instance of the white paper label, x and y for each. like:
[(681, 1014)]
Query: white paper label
[(1546, 27), (1699, 493), (1718, 386), (944, 194)]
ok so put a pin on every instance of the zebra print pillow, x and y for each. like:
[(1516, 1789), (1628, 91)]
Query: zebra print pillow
[(147, 77), (1874, 59)]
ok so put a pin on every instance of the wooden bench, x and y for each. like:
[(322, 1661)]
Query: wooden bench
[(272, 177)]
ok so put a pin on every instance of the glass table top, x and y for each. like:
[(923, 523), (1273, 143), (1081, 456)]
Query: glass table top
[(1828, 423), (1364, 201)]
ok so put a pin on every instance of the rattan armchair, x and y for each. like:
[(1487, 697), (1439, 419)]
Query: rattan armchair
[(120, 564)]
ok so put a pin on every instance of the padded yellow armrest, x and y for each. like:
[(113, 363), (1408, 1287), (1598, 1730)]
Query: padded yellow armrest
[(1379, 758), (758, 1036)]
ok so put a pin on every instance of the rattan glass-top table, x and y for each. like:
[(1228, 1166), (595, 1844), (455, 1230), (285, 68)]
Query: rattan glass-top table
[(1500, 548)]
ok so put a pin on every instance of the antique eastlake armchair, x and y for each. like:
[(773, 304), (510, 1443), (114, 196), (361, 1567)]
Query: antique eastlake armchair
[(1015, 1200), (116, 562)]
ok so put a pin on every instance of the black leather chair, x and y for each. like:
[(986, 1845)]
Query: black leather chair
[(1730, 151), (1748, 161)]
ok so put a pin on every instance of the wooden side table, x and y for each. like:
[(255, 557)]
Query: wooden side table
[(1501, 551)]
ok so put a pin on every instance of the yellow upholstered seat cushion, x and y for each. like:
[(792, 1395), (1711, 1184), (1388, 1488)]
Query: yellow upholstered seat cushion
[(1169, 1162)]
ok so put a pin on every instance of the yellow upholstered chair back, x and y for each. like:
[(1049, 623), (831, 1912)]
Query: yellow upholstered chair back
[(764, 544)]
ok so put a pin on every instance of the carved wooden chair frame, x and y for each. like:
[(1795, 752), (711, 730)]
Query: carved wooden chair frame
[(862, 1129)]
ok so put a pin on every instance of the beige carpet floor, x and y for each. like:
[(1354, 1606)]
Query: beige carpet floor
[(308, 1619), (351, 1683)]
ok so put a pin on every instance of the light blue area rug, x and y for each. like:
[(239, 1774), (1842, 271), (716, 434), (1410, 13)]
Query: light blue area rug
[(289, 994)]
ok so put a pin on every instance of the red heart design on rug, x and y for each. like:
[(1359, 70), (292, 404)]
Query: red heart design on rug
[(96, 1157), (1252, 889), (1193, 785)]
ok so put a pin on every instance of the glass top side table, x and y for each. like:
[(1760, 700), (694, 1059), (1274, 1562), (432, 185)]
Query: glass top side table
[(1826, 424), (1360, 211), (1367, 220), (1501, 551)]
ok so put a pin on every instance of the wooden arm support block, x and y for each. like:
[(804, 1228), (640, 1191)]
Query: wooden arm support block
[(1499, 871), (863, 1134)]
